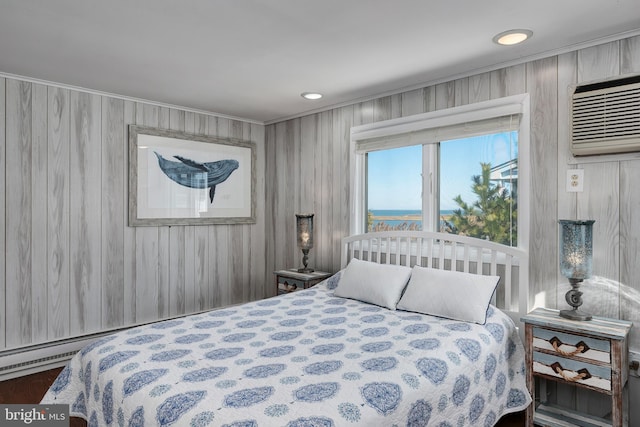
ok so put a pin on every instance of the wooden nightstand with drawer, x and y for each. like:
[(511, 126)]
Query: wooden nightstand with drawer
[(291, 280), (588, 354)]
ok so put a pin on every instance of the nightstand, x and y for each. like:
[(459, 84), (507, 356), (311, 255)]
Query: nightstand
[(291, 280), (588, 354)]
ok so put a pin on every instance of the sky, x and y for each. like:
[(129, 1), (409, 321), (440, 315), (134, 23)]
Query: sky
[(395, 176)]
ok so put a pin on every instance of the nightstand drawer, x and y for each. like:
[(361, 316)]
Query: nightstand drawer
[(572, 346), (584, 354), (292, 280), (572, 371), (287, 284)]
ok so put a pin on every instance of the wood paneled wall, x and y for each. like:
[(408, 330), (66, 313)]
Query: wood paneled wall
[(308, 171), (70, 265)]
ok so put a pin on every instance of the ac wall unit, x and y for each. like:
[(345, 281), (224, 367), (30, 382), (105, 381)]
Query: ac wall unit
[(605, 117)]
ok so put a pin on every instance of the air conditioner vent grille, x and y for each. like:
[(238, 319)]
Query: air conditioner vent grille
[(606, 119)]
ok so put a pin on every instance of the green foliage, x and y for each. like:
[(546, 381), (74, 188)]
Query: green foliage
[(493, 216)]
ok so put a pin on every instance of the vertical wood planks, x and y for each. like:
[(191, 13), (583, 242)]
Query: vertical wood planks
[(294, 199), (235, 265), (629, 55), (342, 120), (18, 212), (58, 256), (508, 81), (543, 247), (244, 132), (114, 167), (259, 269), (630, 245), (201, 243), (177, 243), (412, 102), (323, 174), (546, 81), (85, 204), (239, 238), (58, 149), (270, 202), (600, 201), (308, 187), (147, 252), (163, 244), (129, 233), (480, 87), (70, 263), (3, 163), (190, 301), (220, 284), (599, 62), (567, 202), (38, 220)]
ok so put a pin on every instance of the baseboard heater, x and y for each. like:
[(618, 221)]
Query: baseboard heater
[(31, 359), (34, 358)]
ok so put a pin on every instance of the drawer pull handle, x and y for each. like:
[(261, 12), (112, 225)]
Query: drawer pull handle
[(581, 374), (289, 287), (581, 347)]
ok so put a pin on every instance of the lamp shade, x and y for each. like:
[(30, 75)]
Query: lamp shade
[(576, 248), (304, 230)]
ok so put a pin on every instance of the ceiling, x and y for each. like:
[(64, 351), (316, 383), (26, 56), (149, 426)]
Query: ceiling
[(252, 59)]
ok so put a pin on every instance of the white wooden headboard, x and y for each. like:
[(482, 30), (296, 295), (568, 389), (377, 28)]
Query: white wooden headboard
[(449, 252)]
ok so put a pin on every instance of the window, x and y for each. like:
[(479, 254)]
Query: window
[(394, 189), (474, 195), (457, 171)]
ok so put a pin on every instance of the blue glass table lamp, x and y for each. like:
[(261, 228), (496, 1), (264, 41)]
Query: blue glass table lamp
[(304, 232), (576, 262)]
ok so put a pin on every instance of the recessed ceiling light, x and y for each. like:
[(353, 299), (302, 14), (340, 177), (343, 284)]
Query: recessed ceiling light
[(311, 95), (511, 37)]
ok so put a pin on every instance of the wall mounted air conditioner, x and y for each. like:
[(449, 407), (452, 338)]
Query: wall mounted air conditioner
[(605, 117)]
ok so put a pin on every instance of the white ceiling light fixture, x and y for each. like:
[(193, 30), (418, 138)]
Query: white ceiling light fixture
[(511, 37), (311, 95)]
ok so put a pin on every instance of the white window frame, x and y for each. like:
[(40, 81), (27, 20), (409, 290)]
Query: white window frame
[(412, 130)]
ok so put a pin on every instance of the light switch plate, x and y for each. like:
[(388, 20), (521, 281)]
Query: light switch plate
[(575, 180)]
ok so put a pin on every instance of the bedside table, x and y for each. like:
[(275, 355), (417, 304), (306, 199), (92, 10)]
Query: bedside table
[(589, 354), (291, 280)]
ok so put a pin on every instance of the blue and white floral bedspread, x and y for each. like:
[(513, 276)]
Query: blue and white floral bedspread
[(302, 359)]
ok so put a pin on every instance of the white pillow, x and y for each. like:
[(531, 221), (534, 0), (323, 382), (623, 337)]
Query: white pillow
[(451, 294), (379, 284)]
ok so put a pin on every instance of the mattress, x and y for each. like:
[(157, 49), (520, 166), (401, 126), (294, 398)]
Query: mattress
[(307, 358)]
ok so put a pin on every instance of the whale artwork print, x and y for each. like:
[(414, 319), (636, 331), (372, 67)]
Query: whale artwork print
[(193, 174)]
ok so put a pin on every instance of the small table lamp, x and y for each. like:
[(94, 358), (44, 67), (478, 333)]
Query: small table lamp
[(576, 262), (304, 231)]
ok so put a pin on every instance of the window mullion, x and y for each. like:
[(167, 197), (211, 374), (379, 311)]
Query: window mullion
[(430, 188)]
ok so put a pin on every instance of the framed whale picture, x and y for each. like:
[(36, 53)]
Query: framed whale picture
[(177, 178)]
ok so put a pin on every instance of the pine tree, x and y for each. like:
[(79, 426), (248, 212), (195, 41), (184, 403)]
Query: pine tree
[(493, 216)]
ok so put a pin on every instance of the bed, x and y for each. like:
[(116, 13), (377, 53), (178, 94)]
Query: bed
[(326, 356)]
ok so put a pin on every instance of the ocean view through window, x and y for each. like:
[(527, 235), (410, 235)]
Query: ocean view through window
[(477, 189), (471, 184), (396, 218)]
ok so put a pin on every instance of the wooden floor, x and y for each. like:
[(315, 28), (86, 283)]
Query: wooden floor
[(31, 388)]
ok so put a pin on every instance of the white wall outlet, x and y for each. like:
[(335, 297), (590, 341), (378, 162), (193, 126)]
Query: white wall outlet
[(575, 180)]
